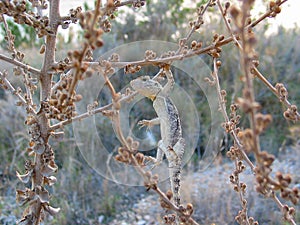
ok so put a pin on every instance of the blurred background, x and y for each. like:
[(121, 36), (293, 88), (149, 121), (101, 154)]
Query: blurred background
[(86, 197)]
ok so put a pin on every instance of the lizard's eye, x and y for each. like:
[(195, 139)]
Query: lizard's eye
[(144, 79)]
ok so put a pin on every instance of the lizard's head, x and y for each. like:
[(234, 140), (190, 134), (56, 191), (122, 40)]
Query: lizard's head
[(146, 86)]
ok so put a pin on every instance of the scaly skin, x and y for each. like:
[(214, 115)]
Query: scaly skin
[(171, 143)]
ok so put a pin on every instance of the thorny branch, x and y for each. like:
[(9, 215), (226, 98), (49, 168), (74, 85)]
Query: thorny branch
[(237, 151), (20, 64), (194, 25), (229, 124), (280, 92), (249, 105)]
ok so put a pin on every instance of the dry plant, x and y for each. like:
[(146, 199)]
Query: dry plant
[(56, 108)]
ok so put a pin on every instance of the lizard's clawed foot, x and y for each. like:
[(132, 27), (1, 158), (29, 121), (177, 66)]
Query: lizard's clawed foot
[(145, 123), (154, 160), (154, 165)]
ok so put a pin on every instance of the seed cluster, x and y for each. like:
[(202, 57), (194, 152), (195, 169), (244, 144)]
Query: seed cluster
[(265, 183), (61, 106), (138, 3), (274, 8), (149, 55), (37, 143), (61, 66), (232, 124), (92, 34), (241, 218), (40, 149), (124, 154), (72, 18), (168, 54), (184, 213), (292, 112), (132, 68), (17, 10)]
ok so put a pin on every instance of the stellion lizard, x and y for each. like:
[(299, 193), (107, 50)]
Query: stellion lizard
[(171, 143)]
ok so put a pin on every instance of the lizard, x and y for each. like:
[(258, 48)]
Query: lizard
[(172, 142)]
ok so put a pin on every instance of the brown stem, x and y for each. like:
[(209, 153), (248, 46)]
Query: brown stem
[(280, 205), (45, 79), (27, 87), (272, 88), (159, 61), (265, 15), (227, 24), (49, 57), (225, 115), (241, 195), (246, 62), (103, 9), (193, 28)]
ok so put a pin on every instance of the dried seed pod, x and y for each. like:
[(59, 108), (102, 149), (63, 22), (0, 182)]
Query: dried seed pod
[(42, 49), (140, 158)]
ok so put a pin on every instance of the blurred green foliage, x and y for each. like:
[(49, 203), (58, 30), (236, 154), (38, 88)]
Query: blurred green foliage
[(25, 36)]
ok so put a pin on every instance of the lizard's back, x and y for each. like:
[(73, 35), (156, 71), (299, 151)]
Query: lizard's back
[(169, 118)]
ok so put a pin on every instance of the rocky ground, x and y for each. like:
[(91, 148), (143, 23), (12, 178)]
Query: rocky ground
[(213, 198), (210, 192)]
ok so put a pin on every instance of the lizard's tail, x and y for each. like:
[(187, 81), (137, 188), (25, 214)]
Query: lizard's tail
[(175, 183)]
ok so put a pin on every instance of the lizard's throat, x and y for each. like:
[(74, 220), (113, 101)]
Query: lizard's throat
[(152, 97)]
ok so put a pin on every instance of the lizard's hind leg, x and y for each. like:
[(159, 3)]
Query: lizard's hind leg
[(159, 155)]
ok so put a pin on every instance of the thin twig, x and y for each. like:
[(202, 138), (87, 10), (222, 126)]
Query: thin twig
[(20, 64), (227, 24), (265, 15), (11, 46), (15, 92), (222, 106), (281, 206), (273, 89), (91, 113), (195, 26), (102, 9)]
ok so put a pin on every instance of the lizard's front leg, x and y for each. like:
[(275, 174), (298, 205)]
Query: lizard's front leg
[(149, 123), (170, 84), (160, 147)]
